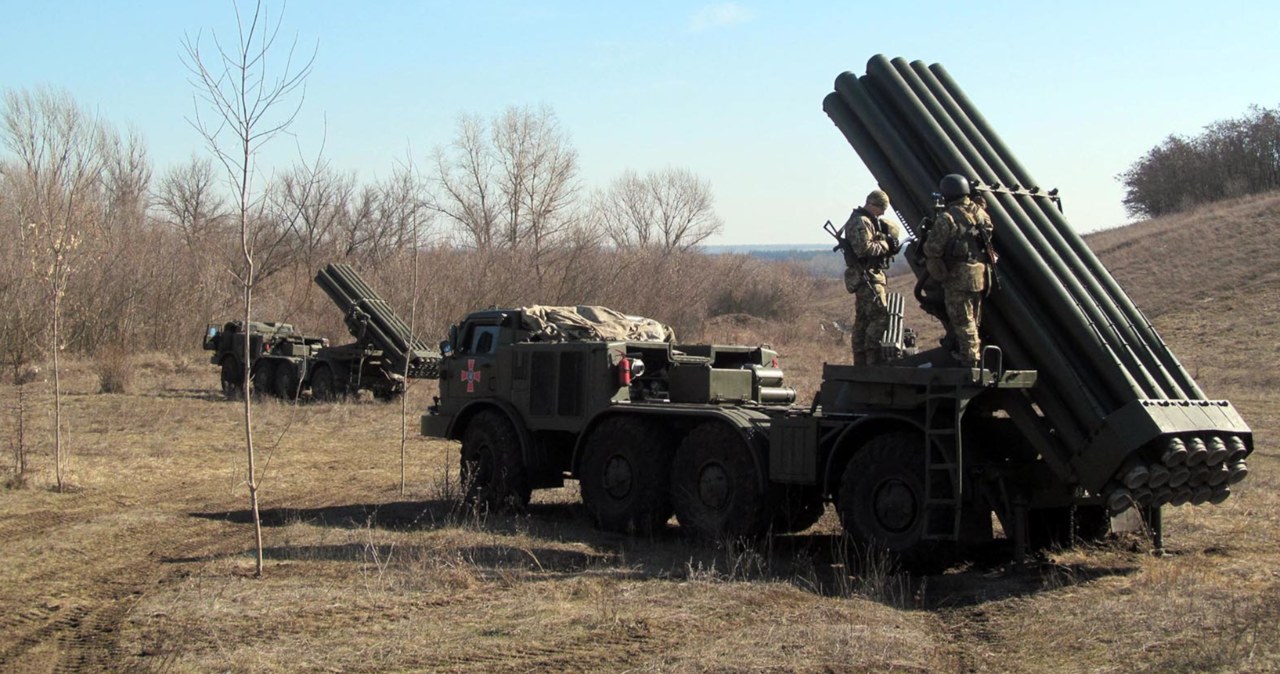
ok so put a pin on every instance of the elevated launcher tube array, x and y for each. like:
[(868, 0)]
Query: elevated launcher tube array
[(371, 321), (1113, 410)]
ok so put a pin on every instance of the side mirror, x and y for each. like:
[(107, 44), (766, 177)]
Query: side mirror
[(446, 348)]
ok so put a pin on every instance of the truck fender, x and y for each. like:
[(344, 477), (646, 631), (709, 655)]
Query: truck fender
[(858, 433), (746, 422), (459, 424)]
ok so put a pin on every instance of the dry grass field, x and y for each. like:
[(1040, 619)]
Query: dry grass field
[(147, 565)]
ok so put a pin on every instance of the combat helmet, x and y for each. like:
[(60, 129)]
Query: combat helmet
[(953, 186), (878, 198)]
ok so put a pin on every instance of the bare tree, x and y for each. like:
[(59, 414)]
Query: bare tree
[(672, 210), (510, 183), (22, 306), (56, 184), (465, 173), (403, 215), (313, 203), (187, 197), (250, 100), (404, 209)]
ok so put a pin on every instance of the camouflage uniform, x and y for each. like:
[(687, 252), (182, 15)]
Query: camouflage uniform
[(956, 256), (871, 245)]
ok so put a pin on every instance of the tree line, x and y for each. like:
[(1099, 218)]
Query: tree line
[(138, 260), (1230, 158)]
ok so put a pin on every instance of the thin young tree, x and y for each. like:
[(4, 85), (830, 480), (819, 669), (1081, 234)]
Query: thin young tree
[(404, 205), (247, 93)]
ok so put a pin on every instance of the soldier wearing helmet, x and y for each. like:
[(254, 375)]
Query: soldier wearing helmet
[(873, 241), (958, 255)]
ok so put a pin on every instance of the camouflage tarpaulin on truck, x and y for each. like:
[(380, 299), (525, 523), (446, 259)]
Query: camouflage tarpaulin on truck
[(592, 323)]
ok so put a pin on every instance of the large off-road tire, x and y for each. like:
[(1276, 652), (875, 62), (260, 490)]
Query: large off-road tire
[(232, 377), (286, 384), (324, 388), (882, 499), (625, 476), (264, 377), (1064, 526), (716, 486), (493, 473), (795, 508)]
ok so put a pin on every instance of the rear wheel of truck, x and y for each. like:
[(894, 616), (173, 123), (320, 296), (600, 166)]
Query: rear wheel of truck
[(716, 486), (625, 476), (493, 474), (287, 384), (232, 377), (264, 377), (323, 386), (882, 499)]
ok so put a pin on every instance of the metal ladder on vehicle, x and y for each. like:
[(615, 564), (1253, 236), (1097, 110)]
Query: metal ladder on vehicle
[(943, 460)]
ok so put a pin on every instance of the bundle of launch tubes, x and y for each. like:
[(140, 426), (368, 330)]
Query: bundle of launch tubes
[(1115, 410)]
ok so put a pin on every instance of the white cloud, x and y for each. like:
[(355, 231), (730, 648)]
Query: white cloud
[(722, 14)]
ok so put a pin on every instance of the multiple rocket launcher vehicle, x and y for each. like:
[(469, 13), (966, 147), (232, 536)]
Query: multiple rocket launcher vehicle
[(1113, 411)]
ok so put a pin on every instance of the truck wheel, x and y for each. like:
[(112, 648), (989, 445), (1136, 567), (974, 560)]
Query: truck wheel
[(323, 386), (287, 381), (795, 508), (232, 378), (625, 476), (493, 474), (882, 497), (715, 485), (264, 378)]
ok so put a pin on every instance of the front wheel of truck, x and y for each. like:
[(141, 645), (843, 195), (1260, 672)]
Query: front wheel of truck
[(493, 472)]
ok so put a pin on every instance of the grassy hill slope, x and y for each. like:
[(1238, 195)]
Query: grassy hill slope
[(1208, 280)]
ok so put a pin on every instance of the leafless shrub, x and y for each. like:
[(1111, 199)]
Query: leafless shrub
[(115, 368)]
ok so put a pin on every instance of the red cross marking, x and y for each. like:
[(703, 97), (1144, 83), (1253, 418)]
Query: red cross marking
[(471, 375)]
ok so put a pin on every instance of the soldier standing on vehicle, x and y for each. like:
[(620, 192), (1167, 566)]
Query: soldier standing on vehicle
[(872, 243), (958, 254)]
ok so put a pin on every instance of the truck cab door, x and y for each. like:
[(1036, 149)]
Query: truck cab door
[(474, 362)]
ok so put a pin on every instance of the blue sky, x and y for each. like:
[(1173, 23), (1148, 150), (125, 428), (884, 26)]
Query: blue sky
[(729, 90)]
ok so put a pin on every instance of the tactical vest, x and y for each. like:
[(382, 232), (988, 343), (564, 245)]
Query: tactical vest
[(975, 232), (879, 226)]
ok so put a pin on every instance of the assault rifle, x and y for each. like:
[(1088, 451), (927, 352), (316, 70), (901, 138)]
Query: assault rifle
[(842, 245)]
